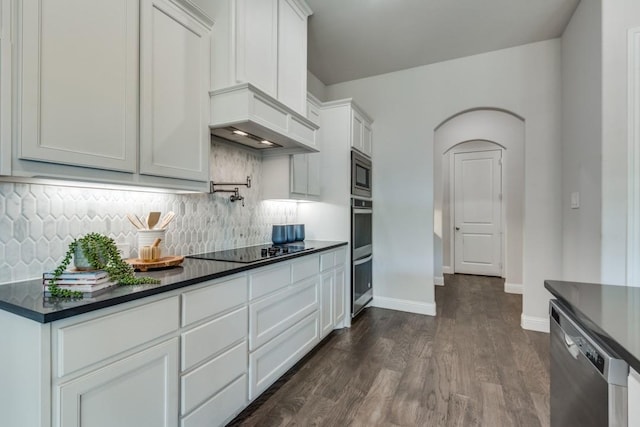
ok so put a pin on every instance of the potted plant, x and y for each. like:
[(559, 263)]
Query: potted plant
[(96, 251)]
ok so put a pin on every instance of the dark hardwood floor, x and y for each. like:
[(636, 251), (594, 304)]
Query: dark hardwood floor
[(471, 365)]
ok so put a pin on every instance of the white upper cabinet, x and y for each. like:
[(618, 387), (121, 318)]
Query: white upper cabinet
[(297, 176), (5, 87), (78, 90), (110, 91), (361, 135), (257, 44), (264, 43), (174, 113), (292, 55)]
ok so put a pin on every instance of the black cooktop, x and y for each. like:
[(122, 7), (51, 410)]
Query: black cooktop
[(253, 253)]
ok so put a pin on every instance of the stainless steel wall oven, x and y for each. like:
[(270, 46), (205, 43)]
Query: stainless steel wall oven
[(361, 254)]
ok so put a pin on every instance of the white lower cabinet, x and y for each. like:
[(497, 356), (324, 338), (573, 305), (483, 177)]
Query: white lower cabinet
[(332, 290), (327, 305), (214, 352), (206, 340), (214, 375), (221, 408), (139, 390), (191, 357), (273, 359), (274, 314), (634, 397), (339, 295)]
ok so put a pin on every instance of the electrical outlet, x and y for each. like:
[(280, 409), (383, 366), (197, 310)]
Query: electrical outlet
[(575, 200)]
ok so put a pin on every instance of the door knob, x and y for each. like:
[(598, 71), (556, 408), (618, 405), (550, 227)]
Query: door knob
[(457, 228)]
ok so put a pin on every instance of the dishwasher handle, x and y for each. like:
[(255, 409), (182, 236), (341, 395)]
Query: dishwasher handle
[(571, 346)]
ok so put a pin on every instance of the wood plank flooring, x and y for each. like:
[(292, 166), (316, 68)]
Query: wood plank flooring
[(471, 365)]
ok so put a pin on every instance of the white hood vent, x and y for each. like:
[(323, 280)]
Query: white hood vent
[(245, 115)]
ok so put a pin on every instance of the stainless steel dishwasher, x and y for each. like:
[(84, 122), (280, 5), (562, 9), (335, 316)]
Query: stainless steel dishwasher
[(588, 382)]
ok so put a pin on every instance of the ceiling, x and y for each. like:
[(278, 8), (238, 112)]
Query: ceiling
[(352, 39)]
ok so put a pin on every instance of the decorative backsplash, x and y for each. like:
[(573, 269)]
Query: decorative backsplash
[(37, 222)]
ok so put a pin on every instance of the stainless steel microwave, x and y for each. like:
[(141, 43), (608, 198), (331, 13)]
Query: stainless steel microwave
[(360, 175)]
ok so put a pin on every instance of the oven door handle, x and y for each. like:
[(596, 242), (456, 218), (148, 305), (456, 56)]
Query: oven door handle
[(362, 211), (362, 260)]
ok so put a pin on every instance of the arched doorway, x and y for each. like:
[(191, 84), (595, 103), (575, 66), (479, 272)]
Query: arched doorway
[(476, 128)]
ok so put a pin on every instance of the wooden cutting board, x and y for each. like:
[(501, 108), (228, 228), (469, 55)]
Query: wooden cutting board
[(164, 262)]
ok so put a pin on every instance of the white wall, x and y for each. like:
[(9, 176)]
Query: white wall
[(581, 142), (316, 87), (407, 106), (500, 128), (618, 16)]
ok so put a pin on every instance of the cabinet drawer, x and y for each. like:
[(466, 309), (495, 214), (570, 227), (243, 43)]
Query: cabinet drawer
[(267, 281), (213, 299), (341, 257), (207, 380), (274, 314), (206, 340), (221, 408), (89, 342), (327, 261), (305, 267), (272, 360)]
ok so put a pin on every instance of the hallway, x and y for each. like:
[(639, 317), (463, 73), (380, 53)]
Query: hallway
[(471, 365)]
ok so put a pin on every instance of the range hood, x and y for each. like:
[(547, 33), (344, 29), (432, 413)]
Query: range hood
[(246, 115)]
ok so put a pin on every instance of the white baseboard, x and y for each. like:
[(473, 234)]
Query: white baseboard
[(438, 281), (447, 270), (513, 288), (538, 324), (405, 305)]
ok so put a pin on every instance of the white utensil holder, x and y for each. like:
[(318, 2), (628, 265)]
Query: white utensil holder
[(147, 237)]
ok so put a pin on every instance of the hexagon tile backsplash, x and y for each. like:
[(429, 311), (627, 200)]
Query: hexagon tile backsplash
[(37, 222)]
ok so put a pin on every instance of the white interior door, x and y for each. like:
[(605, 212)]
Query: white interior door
[(478, 212)]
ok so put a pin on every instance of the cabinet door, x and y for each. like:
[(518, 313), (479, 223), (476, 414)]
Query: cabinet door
[(339, 295), (313, 174), (367, 143), (78, 92), (299, 173), (256, 53), (634, 396), (326, 304), (356, 131), (140, 390), (5, 87), (175, 58), (292, 56)]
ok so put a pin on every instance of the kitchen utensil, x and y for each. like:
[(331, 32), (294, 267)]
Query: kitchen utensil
[(152, 219), (166, 220), (279, 234), (136, 222), (143, 222)]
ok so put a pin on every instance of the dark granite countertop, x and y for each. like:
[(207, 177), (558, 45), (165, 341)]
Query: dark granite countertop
[(27, 298), (611, 313)]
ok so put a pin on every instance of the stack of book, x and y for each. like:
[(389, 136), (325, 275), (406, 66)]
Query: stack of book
[(90, 283)]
